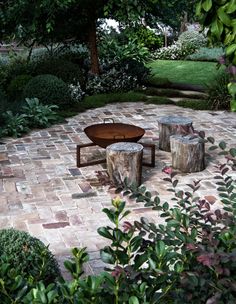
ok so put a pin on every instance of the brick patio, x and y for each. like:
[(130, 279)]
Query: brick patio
[(42, 191)]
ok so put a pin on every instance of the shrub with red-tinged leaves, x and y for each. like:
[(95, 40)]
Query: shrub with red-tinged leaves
[(192, 258)]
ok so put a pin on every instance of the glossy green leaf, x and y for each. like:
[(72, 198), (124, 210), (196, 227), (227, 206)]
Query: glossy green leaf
[(223, 16), (232, 152), (133, 300), (231, 49), (207, 4)]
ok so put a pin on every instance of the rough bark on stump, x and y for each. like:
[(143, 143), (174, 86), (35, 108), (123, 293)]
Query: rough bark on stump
[(171, 125), (124, 160), (188, 153)]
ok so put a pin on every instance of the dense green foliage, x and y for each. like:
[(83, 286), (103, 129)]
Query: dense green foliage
[(65, 70), (3, 103), (219, 97), (48, 89), (143, 36), (187, 43), (218, 17), (28, 255), (16, 87), (30, 114), (192, 39), (39, 115), (111, 49)]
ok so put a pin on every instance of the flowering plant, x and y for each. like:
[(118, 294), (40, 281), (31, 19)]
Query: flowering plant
[(77, 94)]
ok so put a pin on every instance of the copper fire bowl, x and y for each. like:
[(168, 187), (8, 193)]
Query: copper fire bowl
[(105, 134)]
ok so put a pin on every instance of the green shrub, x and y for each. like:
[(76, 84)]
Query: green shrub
[(19, 66), (135, 69), (14, 124), (192, 39), (219, 97), (39, 115), (176, 51), (206, 54), (145, 36), (113, 80), (16, 86), (4, 106), (112, 50), (48, 89), (187, 43), (3, 75), (28, 254), (65, 70)]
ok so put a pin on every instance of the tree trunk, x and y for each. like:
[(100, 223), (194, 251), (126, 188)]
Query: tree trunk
[(92, 44)]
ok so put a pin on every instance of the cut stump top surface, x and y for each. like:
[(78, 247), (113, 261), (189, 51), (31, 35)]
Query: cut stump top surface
[(187, 139), (175, 120), (125, 147)]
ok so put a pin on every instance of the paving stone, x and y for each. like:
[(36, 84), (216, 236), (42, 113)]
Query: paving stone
[(56, 225), (84, 195)]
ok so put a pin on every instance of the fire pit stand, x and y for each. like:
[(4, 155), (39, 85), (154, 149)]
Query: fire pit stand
[(102, 161), (105, 134)]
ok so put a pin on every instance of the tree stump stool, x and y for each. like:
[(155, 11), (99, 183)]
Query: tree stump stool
[(188, 153), (171, 125), (124, 160)]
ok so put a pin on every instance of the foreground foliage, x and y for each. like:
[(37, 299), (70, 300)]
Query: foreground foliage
[(218, 17), (189, 258)]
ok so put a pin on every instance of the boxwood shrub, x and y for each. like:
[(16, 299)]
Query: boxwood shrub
[(29, 255), (63, 69), (49, 89)]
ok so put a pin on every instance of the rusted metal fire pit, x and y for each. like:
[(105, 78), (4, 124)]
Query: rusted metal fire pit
[(105, 134)]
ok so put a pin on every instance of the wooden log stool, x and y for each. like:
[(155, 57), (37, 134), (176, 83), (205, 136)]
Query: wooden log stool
[(124, 160), (171, 125), (188, 153)]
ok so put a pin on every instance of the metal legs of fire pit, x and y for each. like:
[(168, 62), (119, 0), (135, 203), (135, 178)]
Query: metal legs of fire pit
[(102, 161), (91, 163)]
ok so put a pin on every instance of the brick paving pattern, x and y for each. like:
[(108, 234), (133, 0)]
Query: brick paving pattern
[(43, 192)]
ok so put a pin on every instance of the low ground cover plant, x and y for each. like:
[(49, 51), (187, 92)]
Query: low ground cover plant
[(189, 258), (33, 114)]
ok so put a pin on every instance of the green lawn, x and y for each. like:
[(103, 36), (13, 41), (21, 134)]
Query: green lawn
[(182, 71)]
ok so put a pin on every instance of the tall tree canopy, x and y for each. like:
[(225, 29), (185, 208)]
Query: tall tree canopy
[(46, 22)]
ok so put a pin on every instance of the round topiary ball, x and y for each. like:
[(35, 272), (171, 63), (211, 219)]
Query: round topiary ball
[(29, 255), (16, 86), (63, 69), (48, 89)]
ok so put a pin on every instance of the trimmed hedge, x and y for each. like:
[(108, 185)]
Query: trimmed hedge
[(27, 254), (48, 89)]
